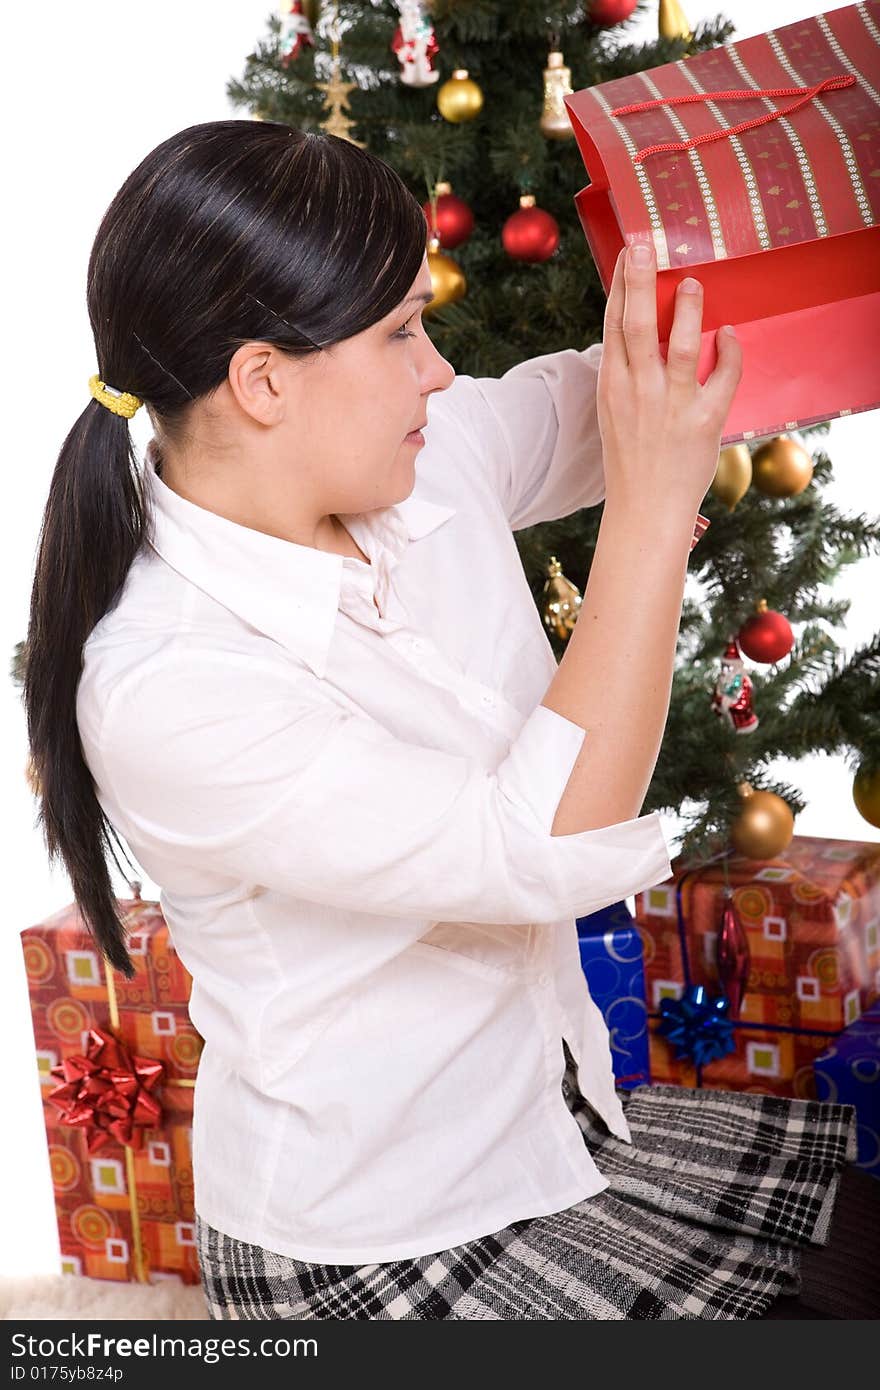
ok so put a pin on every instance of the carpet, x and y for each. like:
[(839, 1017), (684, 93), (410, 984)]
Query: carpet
[(72, 1298)]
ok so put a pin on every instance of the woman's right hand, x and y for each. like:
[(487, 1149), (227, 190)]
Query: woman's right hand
[(660, 429)]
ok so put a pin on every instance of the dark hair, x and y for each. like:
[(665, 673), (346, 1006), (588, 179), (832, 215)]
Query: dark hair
[(227, 232)]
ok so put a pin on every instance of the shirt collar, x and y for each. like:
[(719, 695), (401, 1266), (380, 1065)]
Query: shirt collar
[(288, 591)]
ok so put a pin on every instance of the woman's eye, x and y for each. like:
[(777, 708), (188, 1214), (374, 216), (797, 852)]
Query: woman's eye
[(402, 332)]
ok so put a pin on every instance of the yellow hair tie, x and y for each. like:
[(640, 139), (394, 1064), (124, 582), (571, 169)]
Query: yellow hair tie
[(120, 402)]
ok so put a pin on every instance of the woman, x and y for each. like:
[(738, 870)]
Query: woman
[(295, 664)]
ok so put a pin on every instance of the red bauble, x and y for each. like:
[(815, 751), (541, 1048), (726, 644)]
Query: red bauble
[(455, 221), (766, 636), (530, 234), (604, 13), (732, 956)]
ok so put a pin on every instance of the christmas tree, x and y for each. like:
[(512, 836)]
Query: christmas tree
[(464, 99)]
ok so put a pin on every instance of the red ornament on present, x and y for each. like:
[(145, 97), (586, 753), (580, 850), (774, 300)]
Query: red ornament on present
[(732, 955), (604, 13), (106, 1093), (767, 636), (530, 234), (453, 222)]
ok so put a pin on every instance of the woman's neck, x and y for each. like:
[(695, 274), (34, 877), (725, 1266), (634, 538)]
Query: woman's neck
[(342, 541)]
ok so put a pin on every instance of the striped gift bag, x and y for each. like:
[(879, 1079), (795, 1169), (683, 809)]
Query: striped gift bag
[(755, 167)]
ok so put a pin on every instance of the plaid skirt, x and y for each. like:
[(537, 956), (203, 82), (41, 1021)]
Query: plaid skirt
[(704, 1217)]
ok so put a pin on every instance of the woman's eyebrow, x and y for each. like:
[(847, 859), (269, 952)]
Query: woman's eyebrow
[(425, 295)]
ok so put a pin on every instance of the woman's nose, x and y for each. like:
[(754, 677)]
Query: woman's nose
[(438, 374)]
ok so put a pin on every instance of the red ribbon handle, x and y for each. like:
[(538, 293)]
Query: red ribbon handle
[(806, 94)]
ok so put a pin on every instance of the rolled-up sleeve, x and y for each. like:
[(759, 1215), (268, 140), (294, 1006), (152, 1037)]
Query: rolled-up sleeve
[(267, 780), (538, 432)]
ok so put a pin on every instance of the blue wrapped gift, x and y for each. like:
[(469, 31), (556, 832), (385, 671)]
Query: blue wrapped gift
[(611, 956), (848, 1072)]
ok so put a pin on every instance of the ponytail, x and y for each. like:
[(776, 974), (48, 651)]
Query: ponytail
[(91, 531)]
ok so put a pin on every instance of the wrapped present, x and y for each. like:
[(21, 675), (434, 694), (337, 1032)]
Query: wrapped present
[(611, 955), (848, 1072), (754, 167), (117, 1060), (810, 922)]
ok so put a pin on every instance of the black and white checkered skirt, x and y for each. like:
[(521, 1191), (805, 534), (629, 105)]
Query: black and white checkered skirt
[(704, 1217)]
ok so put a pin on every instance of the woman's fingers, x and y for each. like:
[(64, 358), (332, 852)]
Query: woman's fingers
[(720, 387), (614, 345), (660, 428), (640, 306), (630, 339), (684, 336)]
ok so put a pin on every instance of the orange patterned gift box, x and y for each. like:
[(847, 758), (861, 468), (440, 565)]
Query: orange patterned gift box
[(124, 1200), (812, 921)]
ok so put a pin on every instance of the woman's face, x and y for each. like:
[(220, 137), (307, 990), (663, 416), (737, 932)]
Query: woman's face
[(363, 398)]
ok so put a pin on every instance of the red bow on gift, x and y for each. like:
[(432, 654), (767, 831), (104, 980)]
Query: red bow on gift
[(107, 1092)]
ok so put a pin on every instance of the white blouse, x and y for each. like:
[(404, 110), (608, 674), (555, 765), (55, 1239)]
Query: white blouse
[(348, 810)]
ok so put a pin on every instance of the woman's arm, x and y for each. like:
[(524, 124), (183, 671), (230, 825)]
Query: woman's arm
[(615, 678), (661, 433)]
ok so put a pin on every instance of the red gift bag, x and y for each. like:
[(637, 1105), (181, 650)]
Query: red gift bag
[(755, 167)]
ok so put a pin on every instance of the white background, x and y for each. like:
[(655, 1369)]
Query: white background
[(86, 95)]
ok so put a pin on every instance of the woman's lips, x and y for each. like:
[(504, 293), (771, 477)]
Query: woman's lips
[(414, 437)]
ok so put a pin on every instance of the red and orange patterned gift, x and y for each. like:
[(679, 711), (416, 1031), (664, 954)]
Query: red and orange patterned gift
[(812, 923), (755, 167), (117, 1061)]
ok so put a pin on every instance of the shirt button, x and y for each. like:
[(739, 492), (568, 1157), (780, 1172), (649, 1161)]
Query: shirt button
[(543, 981), (487, 699), (417, 644)]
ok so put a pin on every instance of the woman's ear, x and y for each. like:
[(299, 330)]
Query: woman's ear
[(257, 381)]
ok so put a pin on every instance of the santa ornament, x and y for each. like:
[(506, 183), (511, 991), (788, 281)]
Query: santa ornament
[(732, 697), (296, 32), (415, 44)]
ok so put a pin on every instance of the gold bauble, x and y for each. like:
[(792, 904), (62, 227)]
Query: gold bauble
[(560, 601), (672, 23), (447, 277), (554, 122), (459, 99), (866, 795), (781, 467), (764, 826), (733, 475)]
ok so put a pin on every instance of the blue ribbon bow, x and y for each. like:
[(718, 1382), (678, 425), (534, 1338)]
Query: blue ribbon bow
[(697, 1025)]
